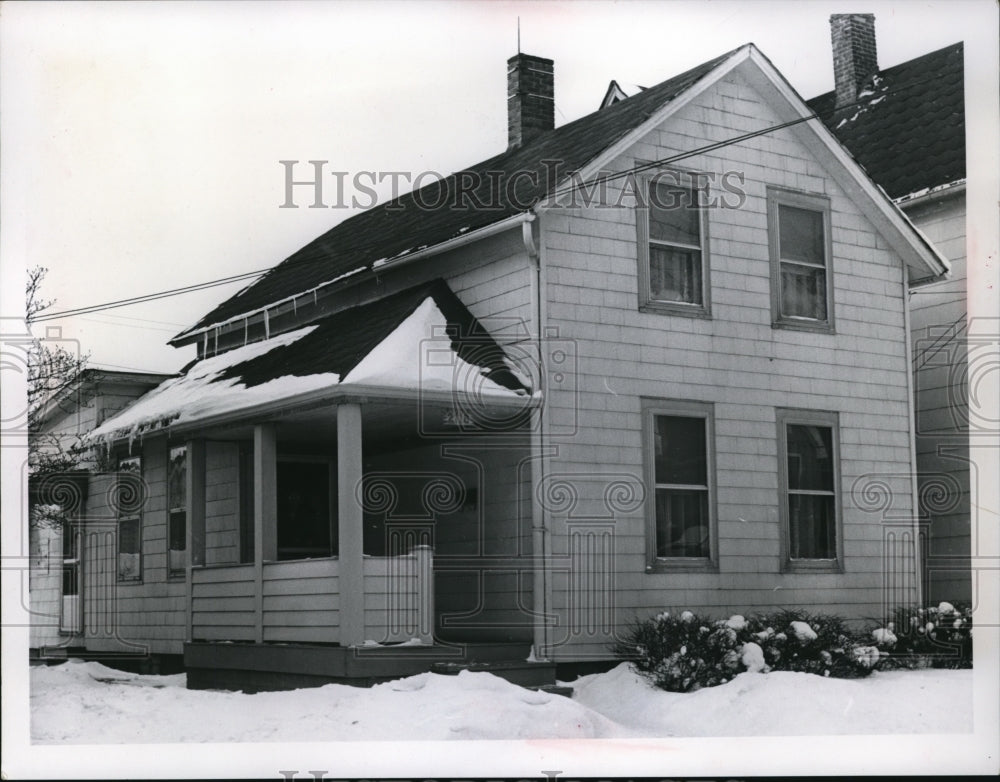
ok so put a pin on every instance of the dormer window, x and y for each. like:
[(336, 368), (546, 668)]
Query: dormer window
[(673, 256)]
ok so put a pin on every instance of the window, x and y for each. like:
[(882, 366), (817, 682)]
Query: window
[(129, 500), (801, 278), (679, 467), (177, 510), (305, 499), (673, 264), (808, 458)]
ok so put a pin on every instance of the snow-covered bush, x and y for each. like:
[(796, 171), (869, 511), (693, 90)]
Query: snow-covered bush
[(690, 651), (935, 637)]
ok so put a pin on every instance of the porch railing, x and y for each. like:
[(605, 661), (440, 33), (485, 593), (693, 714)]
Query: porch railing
[(300, 601)]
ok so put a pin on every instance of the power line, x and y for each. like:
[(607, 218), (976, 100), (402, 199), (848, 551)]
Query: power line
[(554, 193), (147, 297)]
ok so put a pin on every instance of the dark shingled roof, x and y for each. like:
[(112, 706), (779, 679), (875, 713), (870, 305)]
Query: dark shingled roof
[(389, 229), (908, 130), (342, 340)]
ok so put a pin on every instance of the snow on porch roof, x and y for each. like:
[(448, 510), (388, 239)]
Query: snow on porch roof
[(382, 344)]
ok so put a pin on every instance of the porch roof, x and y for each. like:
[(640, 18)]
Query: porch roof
[(421, 340)]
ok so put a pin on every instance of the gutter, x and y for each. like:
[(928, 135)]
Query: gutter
[(190, 336), (912, 425), (933, 194)]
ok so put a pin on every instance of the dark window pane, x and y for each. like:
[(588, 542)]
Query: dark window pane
[(129, 550), (679, 450), (803, 291), (801, 234), (71, 580), (681, 523), (177, 478), (810, 457), (129, 490), (69, 540), (674, 274), (303, 510), (673, 215), (812, 526)]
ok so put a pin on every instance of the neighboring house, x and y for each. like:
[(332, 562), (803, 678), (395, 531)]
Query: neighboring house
[(58, 502), (493, 417), (906, 126)]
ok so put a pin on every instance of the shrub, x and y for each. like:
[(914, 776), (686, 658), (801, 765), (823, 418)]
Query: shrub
[(933, 637), (685, 652)]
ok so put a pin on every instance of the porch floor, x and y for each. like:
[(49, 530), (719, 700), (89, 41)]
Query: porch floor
[(253, 667)]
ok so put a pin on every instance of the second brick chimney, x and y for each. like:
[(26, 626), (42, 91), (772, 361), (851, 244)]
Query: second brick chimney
[(854, 57), (530, 98)]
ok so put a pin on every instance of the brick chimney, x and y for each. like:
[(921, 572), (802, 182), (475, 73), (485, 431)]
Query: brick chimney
[(854, 57), (530, 98)]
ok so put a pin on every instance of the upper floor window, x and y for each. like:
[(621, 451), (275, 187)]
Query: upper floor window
[(673, 246), (801, 276), (177, 509), (129, 499), (680, 493), (808, 460)]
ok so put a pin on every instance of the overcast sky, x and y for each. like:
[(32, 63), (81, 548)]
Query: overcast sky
[(141, 141)]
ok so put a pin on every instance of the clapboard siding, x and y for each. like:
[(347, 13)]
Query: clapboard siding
[(45, 586), (222, 512), (223, 606), (736, 361), (301, 601), (149, 615), (938, 315)]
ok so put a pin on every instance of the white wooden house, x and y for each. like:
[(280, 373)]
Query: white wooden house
[(506, 414)]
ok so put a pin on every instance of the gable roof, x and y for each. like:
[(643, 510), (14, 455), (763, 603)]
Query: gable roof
[(378, 345), (908, 128), (406, 224), (507, 185)]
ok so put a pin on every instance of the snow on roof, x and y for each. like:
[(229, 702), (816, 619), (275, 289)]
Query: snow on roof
[(421, 338)]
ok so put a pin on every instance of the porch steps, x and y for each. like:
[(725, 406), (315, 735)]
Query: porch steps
[(527, 674)]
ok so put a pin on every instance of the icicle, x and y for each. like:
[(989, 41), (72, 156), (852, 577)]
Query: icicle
[(295, 306), (314, 297), (246, 331), (267, 325), (204, 349), (216, 340)]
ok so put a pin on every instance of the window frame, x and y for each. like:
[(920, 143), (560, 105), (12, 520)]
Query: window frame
[(814, 202), (174, 510), (697, 183), (830, 420), (650, 409), (136, 517)]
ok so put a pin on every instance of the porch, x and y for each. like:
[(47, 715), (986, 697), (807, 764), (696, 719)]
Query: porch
[(357, 542)]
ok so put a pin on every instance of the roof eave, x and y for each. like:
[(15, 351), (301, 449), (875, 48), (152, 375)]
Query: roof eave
[(324, 397)]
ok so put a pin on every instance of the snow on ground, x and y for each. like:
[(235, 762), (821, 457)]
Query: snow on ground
[(88, 703)]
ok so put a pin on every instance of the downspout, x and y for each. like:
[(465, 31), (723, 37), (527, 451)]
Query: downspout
[(539, 530), (912, 419)]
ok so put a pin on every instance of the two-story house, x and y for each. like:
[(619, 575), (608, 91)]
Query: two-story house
[(655, 358)]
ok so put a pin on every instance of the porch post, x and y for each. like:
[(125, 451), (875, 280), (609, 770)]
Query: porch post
[(350, 525), (425, 593), (265, 512), (195, 542)]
